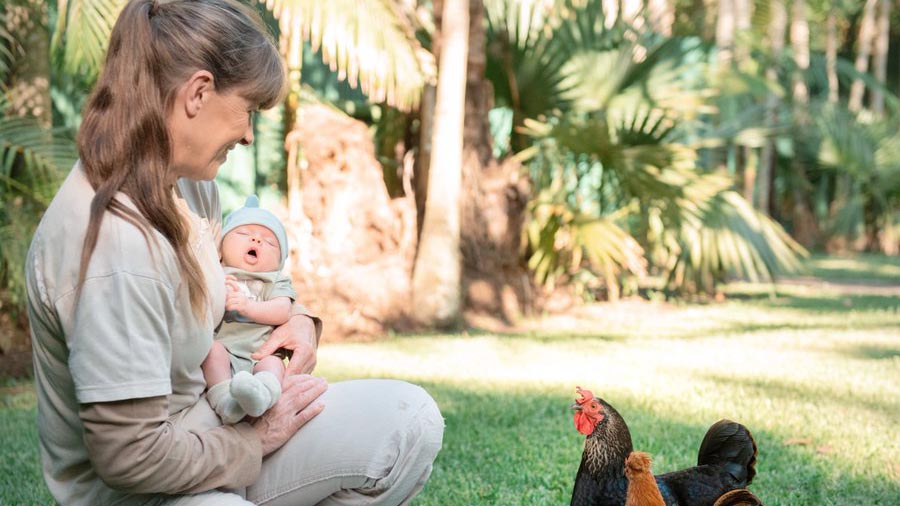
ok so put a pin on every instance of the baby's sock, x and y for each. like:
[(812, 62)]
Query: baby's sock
[(224, 404), (272, 384), (255, 393)]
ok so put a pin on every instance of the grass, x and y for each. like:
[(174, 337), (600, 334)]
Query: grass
[(812, 369)]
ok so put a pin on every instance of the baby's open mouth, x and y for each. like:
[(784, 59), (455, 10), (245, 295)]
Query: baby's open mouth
[(251, 256)]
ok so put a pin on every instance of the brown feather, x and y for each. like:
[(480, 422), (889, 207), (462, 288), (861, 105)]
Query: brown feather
[(642, 487)]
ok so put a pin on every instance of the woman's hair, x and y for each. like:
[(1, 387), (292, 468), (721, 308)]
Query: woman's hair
[(124, 142)]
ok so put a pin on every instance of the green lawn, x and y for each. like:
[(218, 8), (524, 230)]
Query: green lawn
[(813, 371)]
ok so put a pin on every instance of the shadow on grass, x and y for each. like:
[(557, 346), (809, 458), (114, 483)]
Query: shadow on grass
[(831, 303), (780, 390), (839, 303), (862, 267), (553, 336), (872, 352)]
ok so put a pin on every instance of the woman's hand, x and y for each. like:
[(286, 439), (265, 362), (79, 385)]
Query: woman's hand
[(297, 335), (294, 408)]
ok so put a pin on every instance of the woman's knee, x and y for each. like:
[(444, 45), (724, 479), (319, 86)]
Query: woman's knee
[(423, 432), (430, 420)]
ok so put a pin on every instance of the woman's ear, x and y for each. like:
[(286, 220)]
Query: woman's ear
[(195, 92)]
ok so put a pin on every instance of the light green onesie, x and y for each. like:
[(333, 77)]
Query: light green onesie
[(240, 336)]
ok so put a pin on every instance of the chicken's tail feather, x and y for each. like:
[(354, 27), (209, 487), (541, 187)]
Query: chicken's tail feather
[(730, 445), (739, 497)]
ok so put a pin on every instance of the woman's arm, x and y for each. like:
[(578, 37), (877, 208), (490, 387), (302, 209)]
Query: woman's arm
[(134, 447)]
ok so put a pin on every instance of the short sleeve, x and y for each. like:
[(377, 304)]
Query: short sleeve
[(203, 198), (282, 287), (119, 344)]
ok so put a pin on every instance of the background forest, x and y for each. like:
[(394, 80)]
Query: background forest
[(438, 161), (442, 160), (463, 179)]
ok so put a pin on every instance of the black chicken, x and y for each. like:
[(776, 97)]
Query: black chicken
[(726, 460)]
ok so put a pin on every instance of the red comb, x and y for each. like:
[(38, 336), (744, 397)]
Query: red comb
[(586, 395)]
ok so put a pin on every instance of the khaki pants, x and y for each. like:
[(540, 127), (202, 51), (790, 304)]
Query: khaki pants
[(373, 444)]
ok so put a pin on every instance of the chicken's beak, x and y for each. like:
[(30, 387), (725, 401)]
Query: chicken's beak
[(576, 407)]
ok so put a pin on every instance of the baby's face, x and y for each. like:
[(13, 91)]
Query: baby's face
[(252, 248)]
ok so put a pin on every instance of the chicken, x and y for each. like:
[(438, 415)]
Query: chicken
[(642, 488), (726, 460)]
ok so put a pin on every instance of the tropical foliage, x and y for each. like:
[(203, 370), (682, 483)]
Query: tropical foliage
[(615, 155), (647, 150), (33, 159)]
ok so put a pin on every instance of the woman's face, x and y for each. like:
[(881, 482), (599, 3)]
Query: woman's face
[(251, 247), (202, 140)]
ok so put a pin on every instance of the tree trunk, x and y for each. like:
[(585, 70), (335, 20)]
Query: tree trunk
[(291, 47), (866, 36), (353, 262), (725, 27), (800, 46), (492, 205), (423, 157), (743, 11), (426, 124), (805, 226), (436, 277), (777, 26), (661, 15), (831, 45), (880, 55), (29, 86)]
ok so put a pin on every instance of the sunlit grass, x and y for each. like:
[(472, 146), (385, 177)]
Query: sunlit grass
[(812, 370)]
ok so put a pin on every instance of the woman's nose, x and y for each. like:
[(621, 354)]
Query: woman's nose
[(247, 139)]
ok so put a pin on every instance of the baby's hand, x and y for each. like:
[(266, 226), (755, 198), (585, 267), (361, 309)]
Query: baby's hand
[(236, 301)]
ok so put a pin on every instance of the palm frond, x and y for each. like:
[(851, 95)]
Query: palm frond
[(9, 46), (32, 163), (32, 158), (369, 42), (563, 241), (731, 240), (82, 33)]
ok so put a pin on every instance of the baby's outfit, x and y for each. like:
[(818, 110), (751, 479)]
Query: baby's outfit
[(247, 393)]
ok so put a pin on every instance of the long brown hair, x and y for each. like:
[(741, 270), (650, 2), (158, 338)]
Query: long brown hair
[(124, 142)]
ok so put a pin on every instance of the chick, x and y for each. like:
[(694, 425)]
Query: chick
[(642, 487)]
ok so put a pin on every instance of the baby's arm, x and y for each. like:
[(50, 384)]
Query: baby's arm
[(276, 311)]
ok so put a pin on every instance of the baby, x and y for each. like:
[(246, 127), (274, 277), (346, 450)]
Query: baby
[(258, 299)]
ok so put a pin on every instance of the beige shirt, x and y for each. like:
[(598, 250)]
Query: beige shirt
[(132, 335)]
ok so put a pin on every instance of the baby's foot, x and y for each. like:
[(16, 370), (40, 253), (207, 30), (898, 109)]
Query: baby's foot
[(255, 393), (224, 404)]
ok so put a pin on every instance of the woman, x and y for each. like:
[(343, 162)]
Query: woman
[(125, 289)]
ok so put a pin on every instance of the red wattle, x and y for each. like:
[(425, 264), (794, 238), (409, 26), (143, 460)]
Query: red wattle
[(584, 424)]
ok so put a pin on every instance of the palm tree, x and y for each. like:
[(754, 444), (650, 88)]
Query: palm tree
[(436, 277), (609, 115)]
